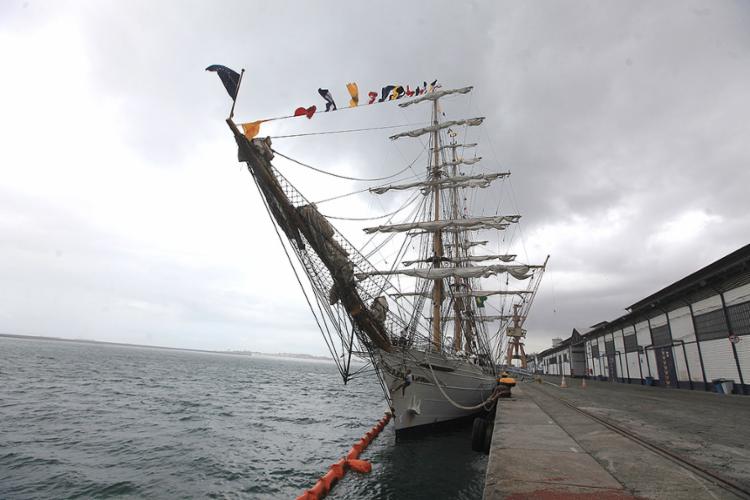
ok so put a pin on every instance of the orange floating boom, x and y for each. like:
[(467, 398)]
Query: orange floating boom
[(336, 471)]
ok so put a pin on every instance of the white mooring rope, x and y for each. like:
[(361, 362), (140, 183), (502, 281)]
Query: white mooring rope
[(460, 407)]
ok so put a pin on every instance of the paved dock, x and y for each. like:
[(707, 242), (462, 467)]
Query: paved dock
[(544, 448)]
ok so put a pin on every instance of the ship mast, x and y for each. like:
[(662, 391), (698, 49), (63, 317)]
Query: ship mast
[(437, 239), (458, 268), (457, 301)]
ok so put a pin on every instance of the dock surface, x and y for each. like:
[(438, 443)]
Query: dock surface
[(613, 441)]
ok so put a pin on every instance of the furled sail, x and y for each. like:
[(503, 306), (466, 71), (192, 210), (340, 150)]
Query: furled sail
[(462, 161), (493, 222), (466, 244), (468, 258), (480, 258), (458, 181), (518, 271), (489, 317), (471, 122), (461, 295), (451, 146), (434, 96)]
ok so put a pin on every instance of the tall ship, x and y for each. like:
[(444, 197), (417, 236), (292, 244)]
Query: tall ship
[(424, 324)]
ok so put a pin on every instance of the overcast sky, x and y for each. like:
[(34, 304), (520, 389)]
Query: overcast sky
[(124, 215)]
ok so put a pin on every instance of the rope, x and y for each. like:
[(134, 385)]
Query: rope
[(366, 218), (404, 206), (339, 175), (296, 275), (363, 105), (341, 196), (448, 398), (346, 131)]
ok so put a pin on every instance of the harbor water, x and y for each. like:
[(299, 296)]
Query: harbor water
[(81, 420)]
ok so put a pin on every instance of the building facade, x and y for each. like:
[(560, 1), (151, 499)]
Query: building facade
[(690, 335)]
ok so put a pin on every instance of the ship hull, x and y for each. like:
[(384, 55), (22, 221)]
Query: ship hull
[(422, 402)]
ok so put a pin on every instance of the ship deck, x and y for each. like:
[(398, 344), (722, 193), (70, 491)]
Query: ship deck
[(609, 442)]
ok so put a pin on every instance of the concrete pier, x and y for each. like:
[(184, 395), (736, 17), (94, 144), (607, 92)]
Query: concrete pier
[(533, 457), (543, 448)]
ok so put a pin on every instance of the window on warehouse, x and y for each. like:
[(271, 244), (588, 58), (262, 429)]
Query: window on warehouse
[(739, 318), (710, 326), (631, 343)]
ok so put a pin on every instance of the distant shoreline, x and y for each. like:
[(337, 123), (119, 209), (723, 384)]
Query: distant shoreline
[(122, 344)]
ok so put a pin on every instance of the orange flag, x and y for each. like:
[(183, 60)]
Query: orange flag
[(251, 129), (354, 92)]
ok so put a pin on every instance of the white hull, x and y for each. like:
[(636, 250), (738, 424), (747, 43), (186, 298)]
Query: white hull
[(422, 402)]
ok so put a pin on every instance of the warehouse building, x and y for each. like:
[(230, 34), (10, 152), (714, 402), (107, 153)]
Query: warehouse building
[(693, 334)]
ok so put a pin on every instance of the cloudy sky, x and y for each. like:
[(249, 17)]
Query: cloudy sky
[(124, 215)]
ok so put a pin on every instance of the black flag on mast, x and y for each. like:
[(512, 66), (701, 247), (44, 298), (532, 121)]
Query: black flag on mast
[(229, 77)]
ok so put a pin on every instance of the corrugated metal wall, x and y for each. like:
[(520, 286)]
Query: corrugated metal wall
[(699, 341), (743, 353), (737, 295), (681, 324), (718, 360)]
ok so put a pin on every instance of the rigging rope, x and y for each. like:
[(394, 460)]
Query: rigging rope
[(343, 176), (330, 132), (341, 196), (371, 218), (299, 281)]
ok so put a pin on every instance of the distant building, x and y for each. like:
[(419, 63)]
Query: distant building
[(689, 335)]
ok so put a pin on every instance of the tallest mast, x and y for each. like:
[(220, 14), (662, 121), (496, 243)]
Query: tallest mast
[(437, 240)]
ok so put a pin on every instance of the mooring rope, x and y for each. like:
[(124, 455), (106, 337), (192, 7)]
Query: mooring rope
[(448, 398)]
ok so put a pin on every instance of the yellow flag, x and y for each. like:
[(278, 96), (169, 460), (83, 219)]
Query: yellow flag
[(354, 92), (251, 129)]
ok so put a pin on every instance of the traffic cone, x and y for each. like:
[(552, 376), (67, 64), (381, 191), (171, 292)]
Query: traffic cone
[(583, 383), (563, 383)]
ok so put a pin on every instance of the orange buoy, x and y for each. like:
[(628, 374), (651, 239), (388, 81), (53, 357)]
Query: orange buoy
[(328, 480), (334, 474), (362, 466), (339, 468), (336, 471), (354, 452), (318, 490)]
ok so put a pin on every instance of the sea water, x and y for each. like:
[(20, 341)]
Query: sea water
[(81, 420)]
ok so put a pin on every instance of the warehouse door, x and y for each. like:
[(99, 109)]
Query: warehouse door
[(609, 348), (612, 367), (578, 360), (665, 366)]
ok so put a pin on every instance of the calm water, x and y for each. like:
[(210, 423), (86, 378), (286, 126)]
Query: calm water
[(82, 420)]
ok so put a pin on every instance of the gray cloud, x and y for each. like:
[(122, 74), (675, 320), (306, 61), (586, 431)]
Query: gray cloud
[(624, 125)]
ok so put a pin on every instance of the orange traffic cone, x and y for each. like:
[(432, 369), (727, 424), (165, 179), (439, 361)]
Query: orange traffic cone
[(583, 383), (563, 383)]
